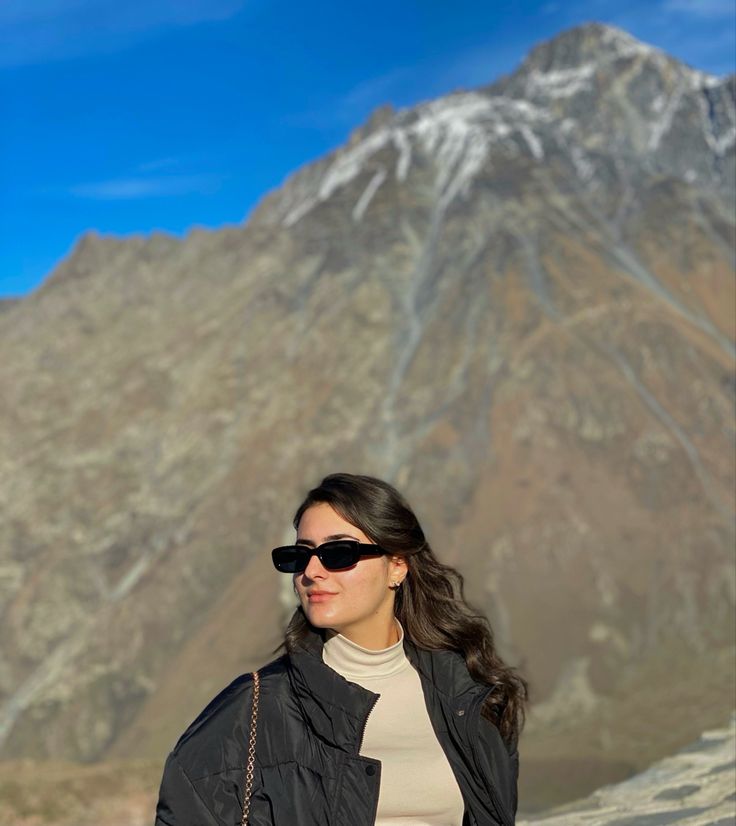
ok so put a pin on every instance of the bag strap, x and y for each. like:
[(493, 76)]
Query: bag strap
[(248, 790)]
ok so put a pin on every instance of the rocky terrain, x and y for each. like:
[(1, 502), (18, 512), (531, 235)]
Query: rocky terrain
[(516, 303), (695, 787), (45, 793)]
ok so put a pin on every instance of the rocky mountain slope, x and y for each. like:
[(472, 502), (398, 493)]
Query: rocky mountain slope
[(517, 304)]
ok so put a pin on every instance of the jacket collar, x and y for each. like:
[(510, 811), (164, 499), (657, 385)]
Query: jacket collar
[(447, 673), (337, 709)]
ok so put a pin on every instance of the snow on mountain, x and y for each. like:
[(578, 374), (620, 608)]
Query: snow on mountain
[(592, 91)]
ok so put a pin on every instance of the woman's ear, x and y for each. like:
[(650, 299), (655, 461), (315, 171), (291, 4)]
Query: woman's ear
[(398, 569)]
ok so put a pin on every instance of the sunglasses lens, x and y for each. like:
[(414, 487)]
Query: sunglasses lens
[(336, 555), (290, 559)]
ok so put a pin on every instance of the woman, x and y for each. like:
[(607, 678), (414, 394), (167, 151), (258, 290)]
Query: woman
[(390, 704)]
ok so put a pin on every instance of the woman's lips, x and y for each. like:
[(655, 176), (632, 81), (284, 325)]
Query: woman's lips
[(320, 596)]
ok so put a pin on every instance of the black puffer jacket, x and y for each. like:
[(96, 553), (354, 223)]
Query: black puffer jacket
[(310, 726)]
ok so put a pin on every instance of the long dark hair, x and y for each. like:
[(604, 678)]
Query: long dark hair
[(430, 605)]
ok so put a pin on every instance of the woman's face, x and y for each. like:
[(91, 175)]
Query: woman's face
[(356, 602)]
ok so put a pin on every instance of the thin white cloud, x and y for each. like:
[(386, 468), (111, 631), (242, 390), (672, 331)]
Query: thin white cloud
[(705, 9), (354, 105), (372, 92), (158, 163), (37, 31), (136, 188), (702, 34), (409, 85), (550, 8), (479, 66)]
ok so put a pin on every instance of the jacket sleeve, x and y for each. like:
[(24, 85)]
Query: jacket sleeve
[(498, 762), (514, 780), (179, 804)]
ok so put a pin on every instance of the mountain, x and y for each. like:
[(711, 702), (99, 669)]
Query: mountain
[(516, 303)]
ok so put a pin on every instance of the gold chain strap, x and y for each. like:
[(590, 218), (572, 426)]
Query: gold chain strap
[(251, 749)]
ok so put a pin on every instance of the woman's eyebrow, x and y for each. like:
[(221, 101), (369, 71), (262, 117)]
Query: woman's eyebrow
[(302, 541)]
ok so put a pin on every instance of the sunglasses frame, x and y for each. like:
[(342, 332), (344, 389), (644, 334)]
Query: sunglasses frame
[(359, 549)]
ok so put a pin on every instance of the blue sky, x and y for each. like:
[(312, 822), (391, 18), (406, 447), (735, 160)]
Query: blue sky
[(166, 114)]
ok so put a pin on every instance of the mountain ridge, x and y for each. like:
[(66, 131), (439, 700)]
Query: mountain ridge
[(538, 351)]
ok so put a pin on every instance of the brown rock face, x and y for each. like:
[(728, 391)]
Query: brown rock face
[(516, 304)]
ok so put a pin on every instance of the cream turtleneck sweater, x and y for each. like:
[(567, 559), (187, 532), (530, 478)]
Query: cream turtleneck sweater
[(418, 787)]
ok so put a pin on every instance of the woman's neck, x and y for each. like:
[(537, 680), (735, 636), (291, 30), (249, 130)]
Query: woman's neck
[(355, 661), (372, 637)]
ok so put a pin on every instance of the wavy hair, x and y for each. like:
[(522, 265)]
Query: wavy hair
[(430, 605)]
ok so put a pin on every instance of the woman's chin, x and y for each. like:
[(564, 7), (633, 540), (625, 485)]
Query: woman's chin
[(320, 618)]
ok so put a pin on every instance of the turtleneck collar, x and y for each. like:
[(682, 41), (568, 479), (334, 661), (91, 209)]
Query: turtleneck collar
[(445, 669), (352, 660)]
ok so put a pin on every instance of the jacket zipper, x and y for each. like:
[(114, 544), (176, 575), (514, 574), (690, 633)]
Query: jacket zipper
[(497, 805), (365, 722), (360, 746)]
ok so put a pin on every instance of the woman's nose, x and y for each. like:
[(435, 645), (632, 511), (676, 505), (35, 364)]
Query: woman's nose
[(315, 568)]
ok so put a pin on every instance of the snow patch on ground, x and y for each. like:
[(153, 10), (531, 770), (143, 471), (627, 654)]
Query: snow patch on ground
[(368, 193), (349, 164), (583, 165), (562, 83), (661, 126), (458, 132), (625, 45), (401, 142), (695, 787), (533, 142)]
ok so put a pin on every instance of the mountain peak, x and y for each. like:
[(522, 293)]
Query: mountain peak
[(585, 44)]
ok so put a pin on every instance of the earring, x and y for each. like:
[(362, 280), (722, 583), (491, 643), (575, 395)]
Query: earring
[(395, 586)]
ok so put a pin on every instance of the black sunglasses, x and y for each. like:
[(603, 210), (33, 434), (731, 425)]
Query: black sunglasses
[(341, 553)]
